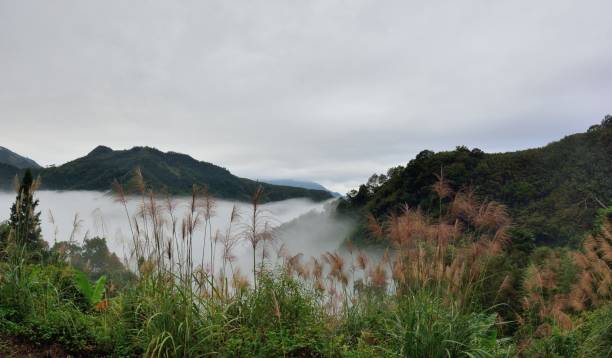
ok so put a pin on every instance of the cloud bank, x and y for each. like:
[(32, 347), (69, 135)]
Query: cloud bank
[(329, 91)]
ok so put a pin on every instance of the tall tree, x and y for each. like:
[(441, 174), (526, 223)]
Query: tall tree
[(24, 220)]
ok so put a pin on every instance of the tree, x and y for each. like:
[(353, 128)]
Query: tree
[(99, 259), (94, 259), (25, 221), (359, 197)]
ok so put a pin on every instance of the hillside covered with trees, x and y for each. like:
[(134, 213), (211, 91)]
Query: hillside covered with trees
[(170, 172), (13, 159), (552, 193)]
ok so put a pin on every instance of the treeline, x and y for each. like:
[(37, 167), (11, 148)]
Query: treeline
[(552, 192)]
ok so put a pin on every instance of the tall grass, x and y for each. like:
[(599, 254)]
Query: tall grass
[(436, 266), (427, 296)]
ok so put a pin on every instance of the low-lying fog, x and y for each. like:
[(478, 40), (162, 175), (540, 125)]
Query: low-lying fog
[(98, 214)]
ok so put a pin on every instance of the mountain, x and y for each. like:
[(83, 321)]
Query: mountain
[(7, 176), (172, 172), (300, 184), (552, 192), (16, 160)]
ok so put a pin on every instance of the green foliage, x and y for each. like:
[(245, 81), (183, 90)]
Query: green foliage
[(596, 333), (95, 259), (157, 317), (42, 303), (592, 337), (421, 324), (603, 214), (552, 192), (5, 230), (15, 291), (93, 293), (559, 344), (280, 318)]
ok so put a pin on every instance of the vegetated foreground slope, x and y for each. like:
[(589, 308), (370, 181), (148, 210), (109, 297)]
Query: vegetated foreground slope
[(440, 290), (172, 172), (553, 191)]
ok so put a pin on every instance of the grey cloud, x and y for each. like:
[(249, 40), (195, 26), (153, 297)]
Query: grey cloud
[(321, 90)]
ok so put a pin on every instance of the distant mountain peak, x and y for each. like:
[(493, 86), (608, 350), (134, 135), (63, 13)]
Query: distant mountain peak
[(11, 158), (101, 149), (300, 184)]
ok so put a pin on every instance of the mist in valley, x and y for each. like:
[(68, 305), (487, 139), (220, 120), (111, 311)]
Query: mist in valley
[(315, 231), (297, 225)]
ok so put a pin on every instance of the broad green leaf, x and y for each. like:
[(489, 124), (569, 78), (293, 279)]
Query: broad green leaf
[(98, 291)]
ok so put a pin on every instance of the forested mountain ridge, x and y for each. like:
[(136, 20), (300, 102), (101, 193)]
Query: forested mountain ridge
[(300, 184), (172, 172), (11, 158), (552, 192)]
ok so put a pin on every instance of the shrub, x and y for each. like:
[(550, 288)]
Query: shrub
[(421, 324)]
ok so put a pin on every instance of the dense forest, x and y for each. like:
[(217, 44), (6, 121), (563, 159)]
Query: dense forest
[(552, 192), (170, 172)]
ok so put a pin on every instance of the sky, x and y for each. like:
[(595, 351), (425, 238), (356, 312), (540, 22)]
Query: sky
[(329, 91)]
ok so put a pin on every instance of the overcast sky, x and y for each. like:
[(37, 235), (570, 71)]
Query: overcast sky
[(329, 91)]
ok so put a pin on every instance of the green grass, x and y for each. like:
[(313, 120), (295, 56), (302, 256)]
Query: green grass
[(157, 316), (284, 317)]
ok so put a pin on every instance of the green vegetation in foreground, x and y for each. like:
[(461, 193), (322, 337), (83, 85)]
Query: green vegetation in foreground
[(169, 172), (551, 192), (454, 285)]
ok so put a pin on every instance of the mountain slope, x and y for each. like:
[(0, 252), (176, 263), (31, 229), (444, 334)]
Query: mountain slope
[(300, 184), (170, 171), (11, 158), (553, 191), (7, 176)]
